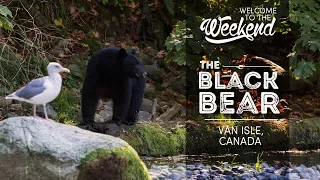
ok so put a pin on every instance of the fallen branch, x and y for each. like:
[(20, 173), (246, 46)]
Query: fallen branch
[(170, 113)]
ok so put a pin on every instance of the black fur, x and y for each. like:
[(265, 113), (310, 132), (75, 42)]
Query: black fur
[(117, 74)]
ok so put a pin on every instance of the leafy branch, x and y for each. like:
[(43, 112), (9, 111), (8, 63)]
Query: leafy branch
[(305, 14), (4, 21)]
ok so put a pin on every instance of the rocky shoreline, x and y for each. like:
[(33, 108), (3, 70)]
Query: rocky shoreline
[(199, 171)]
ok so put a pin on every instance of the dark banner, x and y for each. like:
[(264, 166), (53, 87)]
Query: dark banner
[(237, 78)]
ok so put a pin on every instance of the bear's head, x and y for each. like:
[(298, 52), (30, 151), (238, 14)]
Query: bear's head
[(131, 65)]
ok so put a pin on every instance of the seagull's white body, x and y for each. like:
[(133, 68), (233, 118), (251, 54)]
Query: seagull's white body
[(49, 86), (52, 90)]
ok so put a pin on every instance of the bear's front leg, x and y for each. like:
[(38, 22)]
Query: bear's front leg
[(89, 100), (121, 100), (138, 86), (89, 105)]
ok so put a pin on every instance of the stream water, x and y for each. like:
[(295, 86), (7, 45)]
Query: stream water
[(295, 158)]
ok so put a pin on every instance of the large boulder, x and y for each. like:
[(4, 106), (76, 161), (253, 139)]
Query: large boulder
[(40, 149)]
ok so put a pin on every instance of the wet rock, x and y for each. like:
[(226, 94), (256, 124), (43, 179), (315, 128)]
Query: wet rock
[(50, 111), (270, 170), (174, 176), (178, 84), (272, 176), (259, 177), (144, 116), (226, 165), (112, 129), (296, 108), (150, 92), (105, 115), (146, 105), (153, 72), (199, 171), (299, 85), (145, 59), (53, 150), (227, 172), (265, 165)]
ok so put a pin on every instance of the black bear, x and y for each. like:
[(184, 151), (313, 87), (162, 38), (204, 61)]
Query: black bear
[(117, 74)]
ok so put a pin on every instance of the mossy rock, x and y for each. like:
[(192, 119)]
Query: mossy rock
[(67, 152), (117, 164), (150, 93), (154, 140)]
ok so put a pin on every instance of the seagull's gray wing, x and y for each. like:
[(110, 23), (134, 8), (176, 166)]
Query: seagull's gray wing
[(32, 89)]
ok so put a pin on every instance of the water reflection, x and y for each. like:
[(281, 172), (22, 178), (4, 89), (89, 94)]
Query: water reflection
[(274, 158)]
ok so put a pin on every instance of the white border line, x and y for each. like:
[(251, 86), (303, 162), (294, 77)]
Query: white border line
[(245, 119), (239, 66), (245, 66)]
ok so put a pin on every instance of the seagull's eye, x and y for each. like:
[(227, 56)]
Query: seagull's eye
[(56, 66)]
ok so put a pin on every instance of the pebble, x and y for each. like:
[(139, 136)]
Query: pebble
[(199, 171)]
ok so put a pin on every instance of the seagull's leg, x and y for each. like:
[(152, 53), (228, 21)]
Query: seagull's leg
[(34, 110), (45, 111)]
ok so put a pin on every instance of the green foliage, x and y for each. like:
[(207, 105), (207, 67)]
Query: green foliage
[(78, 71), (186, 46), (14, 72), (304, 69), (304, 134), (64, 117), (305, 16), (4, 21), (67, 105), (118, 3), (258, 163), (170, 6), (175, 44)]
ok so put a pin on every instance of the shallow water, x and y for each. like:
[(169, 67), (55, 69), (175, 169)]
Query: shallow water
[(295, 158)]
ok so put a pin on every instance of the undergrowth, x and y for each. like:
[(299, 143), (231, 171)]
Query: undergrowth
[(67, 105)]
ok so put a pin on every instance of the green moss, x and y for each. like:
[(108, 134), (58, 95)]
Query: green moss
[(116, 164), (305, 133), (153, 140), (203, 137)]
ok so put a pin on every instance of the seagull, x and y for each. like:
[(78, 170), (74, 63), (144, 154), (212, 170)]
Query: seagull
[(43, 90)]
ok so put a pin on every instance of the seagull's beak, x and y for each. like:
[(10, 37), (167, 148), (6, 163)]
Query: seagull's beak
[(65, 70)]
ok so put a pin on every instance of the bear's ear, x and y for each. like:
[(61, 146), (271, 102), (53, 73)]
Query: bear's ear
[(133, 51), (122, 53)]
